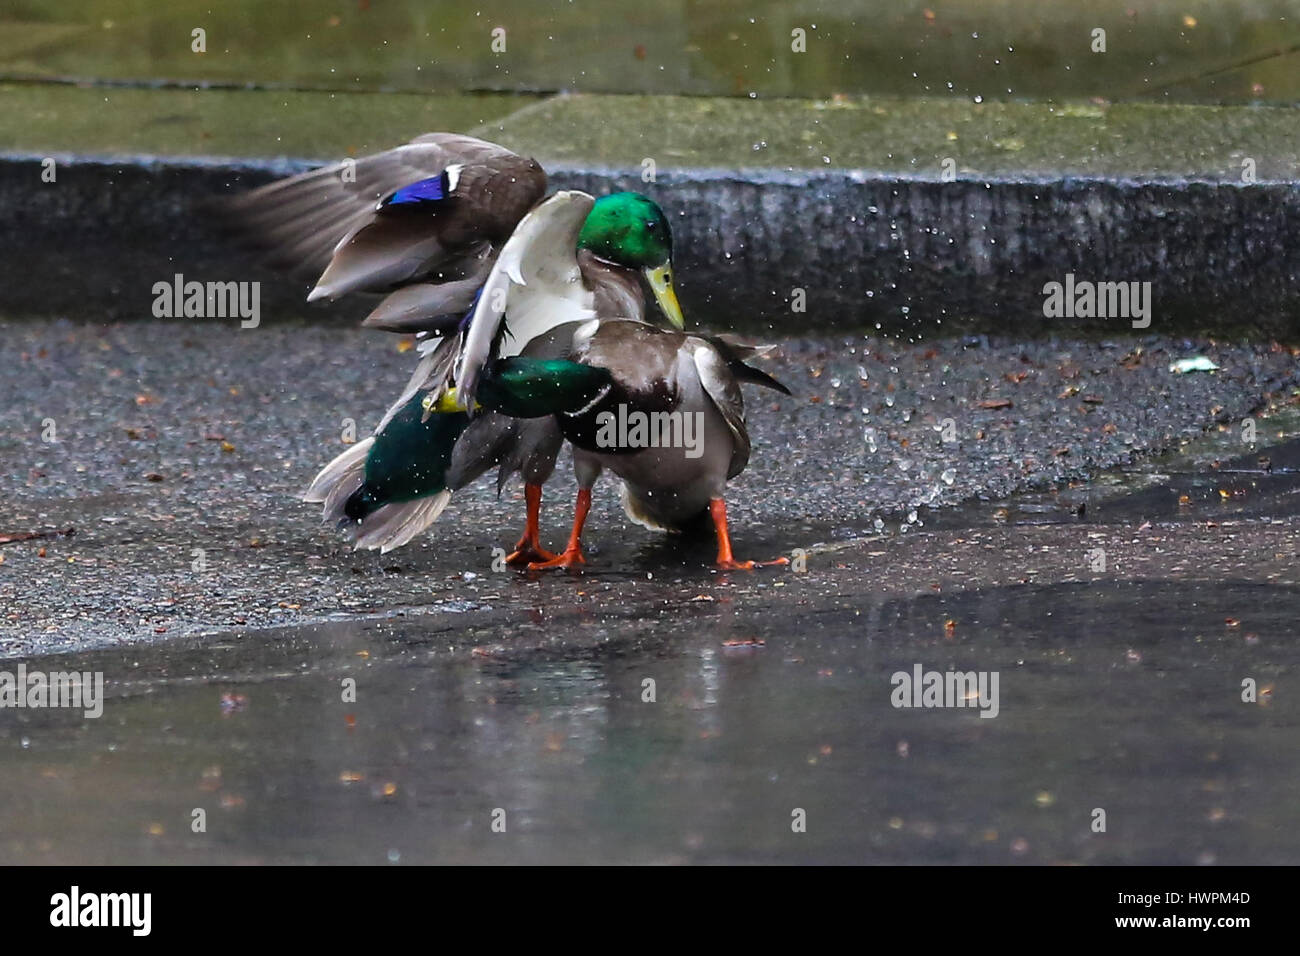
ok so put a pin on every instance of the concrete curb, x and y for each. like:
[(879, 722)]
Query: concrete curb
[(910, 256)]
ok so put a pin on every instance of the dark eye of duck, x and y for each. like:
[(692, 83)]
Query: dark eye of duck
[(652, 224)]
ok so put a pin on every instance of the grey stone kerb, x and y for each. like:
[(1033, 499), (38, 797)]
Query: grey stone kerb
[(926, 257), (913, 256), (921, 216)]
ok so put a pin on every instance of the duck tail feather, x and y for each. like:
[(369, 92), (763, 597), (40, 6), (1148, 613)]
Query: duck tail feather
[(396, 523), (756, 376), (339, 479), (735, 352)]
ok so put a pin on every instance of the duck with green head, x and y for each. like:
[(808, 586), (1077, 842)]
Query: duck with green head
[(532, 316), (660, 408), (438, 246), (631, 231)]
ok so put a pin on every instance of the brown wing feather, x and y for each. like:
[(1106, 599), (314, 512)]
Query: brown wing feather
[(722, 386), (648, 381), (302, 220), (413, 308), (642, 358)]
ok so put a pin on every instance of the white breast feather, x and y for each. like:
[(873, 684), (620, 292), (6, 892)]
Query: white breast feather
[(535, 285)]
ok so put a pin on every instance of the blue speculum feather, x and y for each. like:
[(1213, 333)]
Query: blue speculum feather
[(423, 191), (469, 316)]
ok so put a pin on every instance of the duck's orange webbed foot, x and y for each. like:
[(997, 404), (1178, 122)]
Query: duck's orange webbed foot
[(572, 555), (526, 554), (529, 550), (570, 558), (726, 560), (731, 564)]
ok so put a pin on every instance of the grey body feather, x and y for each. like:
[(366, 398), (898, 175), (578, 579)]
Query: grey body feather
[(658, 370)]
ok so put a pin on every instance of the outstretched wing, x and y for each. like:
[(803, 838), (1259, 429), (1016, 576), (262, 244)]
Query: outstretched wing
[(433, 211), (534, 286)]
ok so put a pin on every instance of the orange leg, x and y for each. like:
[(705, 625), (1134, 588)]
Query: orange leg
[(529, 548), (726, 560), (572, 555)]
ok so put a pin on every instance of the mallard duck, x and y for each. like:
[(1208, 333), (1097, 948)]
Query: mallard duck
[(439, 245), (688, 384), (425, 222)]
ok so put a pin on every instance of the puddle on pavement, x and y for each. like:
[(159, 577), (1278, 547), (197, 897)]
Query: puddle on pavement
[(1210, 479), (1125, 698)]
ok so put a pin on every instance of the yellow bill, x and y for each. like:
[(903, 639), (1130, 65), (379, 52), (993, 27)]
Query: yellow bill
[(661, 283), (446, 402)]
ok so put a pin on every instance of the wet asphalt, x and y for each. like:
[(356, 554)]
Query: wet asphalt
[(324, 706), (166, 501)]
